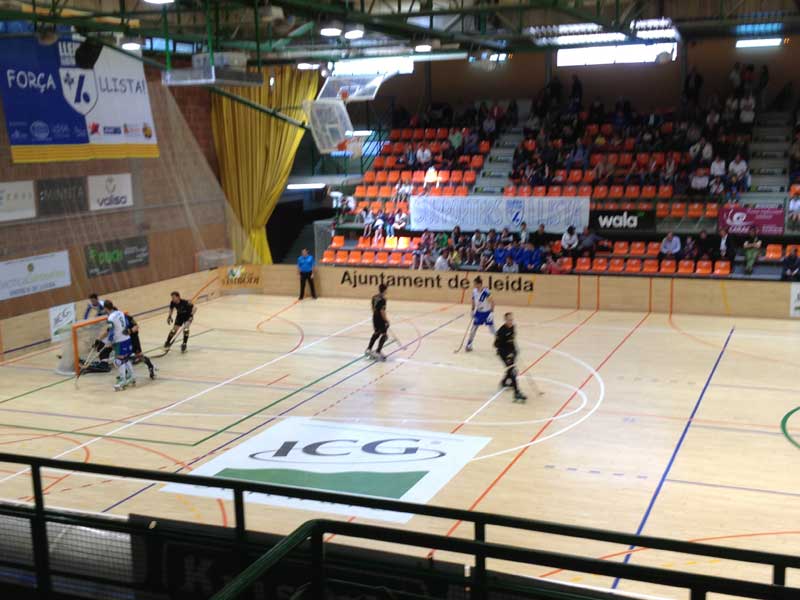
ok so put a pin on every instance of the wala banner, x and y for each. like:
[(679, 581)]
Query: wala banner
[(442, 213), (34, 274), (17, 200), (623, 220), (74, 100), (110, 191), (768, 220)]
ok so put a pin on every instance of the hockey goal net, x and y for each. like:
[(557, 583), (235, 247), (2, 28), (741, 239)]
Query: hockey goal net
[(78, 345)]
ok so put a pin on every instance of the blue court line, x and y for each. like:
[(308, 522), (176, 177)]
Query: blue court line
[(285, 412), (738, 488), (677, 449)]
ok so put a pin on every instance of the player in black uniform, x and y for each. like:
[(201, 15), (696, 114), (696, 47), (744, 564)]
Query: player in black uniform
[(138, 355), (380, 324), (185, 311), (507, 351)]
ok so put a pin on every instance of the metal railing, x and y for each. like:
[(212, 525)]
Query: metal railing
[(478, 547)]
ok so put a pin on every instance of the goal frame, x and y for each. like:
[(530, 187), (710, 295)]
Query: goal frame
[(76, 327)]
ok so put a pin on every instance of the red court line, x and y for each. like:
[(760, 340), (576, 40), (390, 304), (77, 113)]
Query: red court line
[(275, 314), (539, 433)]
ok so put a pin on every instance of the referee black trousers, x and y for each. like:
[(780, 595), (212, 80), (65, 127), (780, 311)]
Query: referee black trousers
[(303, 278)]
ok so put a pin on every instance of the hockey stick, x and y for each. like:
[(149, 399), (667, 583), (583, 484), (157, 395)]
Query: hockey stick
[(395, 338), (93, 353), (166, 350), (464, 337), (532, 382)]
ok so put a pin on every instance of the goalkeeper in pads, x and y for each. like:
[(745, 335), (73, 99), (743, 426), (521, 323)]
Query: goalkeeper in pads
[(184, 314), (507, 351)]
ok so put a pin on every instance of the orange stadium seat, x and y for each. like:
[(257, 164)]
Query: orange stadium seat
[(524, 190), (367, 257), (469, 177), (662, 209), (484, 147), (615, 265), (638, 249), (361, 191), (476, 162), (390, 243), (625, 160), (510, 190), (686, 267), (442, 133), (588, 177), (418, 135), (449, 191), (540, 190), (649, 191), (407, 134), (462, 190), (395, 259), (355, 257), (633, 265), (611, 206), (599, 264), (633, 191), (660, 158), (794, 190), (337, 241), (585, 190), (667, 267), (381, 177), (395, 134), (644, 205), (376, 206), (703, 268), (621, 247), (629, 144), (677, 210), (600, 192), (583, 265), (627, 205), (328, 257), (444, 177), (616, 192), (554, 190), (364, 242), (643, 158), (712, 210), (430, 135), (435, 191), (575, 176), (408, 259), (381, 258), (565, 262), (650, 266), (369, 177), (387, 149), (722, 268), (695, 210), (418, 177), (774, 252), (341, 257), (398, 148), (570, 190), (378, 163), (372, 191), (653, 248), (665, 192), (613, 159), (456, 177)]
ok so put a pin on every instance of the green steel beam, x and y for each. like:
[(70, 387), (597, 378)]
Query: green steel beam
[(257, 107)]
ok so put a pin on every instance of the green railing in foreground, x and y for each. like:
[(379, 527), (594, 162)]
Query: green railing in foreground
[(478, 546)]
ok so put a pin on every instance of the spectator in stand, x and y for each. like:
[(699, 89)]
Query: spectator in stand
[(588, 242), (539, 237), (515, 250), (730, 113), (669, 170), (738, 174), (717, 168), (462, 249), (735, 77), (506, 237), (670, 247), (692, 86), (690, 249), (794, 213), (636, 174), (716, 189), (456, 139), (509, 266), (369, 221), (441, 241), (409, 157), (747, 112), (652, 175), (455, 235), (577, 157), (424, 157), (763, 81), (523, 235), (794, 158), (703, 245), (576, 94), (551, 267), (442, 262), (597, 111), (377, 229), (489, 127), (400, 221), (790, 268), (472, 143), (712, 123), (501, 252), (423, 253), (492, 237), (487, 257), (726, 250), (752, 250), (477, 246), (388, 224), (702, 152), (603, 171), (698, 184), (569, 242)]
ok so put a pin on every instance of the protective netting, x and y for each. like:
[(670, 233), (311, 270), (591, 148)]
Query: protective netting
[(82, 337)]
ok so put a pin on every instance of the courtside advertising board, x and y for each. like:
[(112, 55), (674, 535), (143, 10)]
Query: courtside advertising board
[(351, 458)]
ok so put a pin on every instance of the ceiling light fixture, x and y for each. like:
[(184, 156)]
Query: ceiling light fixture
[(332, 29), (305, 186), (423, 48), (354, 32), (159, 1), (759, 43), (307, 66), (131, 44)]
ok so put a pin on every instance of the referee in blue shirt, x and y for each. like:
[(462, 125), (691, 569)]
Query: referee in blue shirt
[(305, 266)]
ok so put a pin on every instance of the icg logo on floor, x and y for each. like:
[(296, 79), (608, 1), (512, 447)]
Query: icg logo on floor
[(398, 464)]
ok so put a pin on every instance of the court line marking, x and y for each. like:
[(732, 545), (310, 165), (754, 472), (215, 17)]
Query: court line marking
[(785, 427), (677, 449), (522, 452), (192, 397), (737, 488), (291, 408)]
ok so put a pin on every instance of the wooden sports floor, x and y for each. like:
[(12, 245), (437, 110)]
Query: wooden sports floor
[(648, 424)]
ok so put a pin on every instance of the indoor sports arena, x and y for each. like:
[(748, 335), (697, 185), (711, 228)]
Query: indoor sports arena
[(365, 300)]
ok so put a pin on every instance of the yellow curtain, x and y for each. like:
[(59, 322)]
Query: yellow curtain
[(256, 152)]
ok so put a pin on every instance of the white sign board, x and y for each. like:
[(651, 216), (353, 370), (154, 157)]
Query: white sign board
[(17, 200), (25, 276), (62, 318), (110, 191), (442, 213), (794, 301), (386, 462)]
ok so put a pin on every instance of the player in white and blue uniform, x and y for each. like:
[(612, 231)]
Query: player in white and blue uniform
[(482, 311), (119, 338), (95, 307)]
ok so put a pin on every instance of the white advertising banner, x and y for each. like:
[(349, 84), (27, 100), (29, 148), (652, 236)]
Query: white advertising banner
[(352, 458), (17, 200), (25, 276), (110, 191), (442, 213), (62, 318)]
